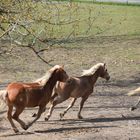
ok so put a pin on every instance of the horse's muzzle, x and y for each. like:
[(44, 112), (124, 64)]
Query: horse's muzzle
[(107, 78)]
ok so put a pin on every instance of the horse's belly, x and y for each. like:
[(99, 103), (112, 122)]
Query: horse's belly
[(33, 101), (77, 94), (32, 104)]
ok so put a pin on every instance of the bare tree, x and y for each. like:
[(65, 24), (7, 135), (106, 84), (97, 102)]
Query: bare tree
[(39, 25)]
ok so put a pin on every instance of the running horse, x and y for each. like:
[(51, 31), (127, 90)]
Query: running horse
[(21, 95), (77, 87)]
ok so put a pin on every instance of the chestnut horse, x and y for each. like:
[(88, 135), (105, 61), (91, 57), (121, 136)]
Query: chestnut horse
[(77, 87), (21, 95)]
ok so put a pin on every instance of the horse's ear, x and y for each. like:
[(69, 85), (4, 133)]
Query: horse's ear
[(104, 64)]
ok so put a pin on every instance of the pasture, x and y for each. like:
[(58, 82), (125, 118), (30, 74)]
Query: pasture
[(113, 38)]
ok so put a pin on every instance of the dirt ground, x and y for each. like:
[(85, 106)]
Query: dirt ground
[(106, 112)]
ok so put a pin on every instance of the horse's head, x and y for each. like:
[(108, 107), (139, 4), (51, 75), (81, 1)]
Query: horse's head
[(61, 74), (104, 73)]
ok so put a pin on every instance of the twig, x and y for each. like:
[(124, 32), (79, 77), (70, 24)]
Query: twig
[(33, 49), (7, 31)]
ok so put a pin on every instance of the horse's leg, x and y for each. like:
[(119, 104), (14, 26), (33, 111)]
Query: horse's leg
[(81, 106), (50, 112), (52, 98), (9, 116), (40, 111), (35, 114), (135, 106), (18, 111), (66, 110), (57, 100)]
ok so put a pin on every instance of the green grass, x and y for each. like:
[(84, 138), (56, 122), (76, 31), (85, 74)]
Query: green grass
[(93, 19), (105, 3), (81, 19)]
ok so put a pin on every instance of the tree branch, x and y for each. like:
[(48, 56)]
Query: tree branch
[(6, 32), (33, 49)]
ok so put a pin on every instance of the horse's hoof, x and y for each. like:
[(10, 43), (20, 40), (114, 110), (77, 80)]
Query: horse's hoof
[(61, 119), (132, 108), (80, 117), (61, 115), (34, 115), (16, 130), (46, 119), (25, 127)]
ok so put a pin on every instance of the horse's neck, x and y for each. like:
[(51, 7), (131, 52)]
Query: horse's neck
[(50, 85), (95, 77)]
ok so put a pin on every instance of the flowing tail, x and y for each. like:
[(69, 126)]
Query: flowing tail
[(3, 94), (134, 92)]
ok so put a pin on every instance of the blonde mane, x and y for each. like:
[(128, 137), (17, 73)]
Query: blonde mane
[(42, 81), (92, 70)]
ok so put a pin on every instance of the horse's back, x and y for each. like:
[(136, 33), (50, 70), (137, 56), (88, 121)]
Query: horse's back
[(15, 87), (31, 85)]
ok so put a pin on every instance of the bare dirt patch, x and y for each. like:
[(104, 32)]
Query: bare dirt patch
[(106, 112)]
